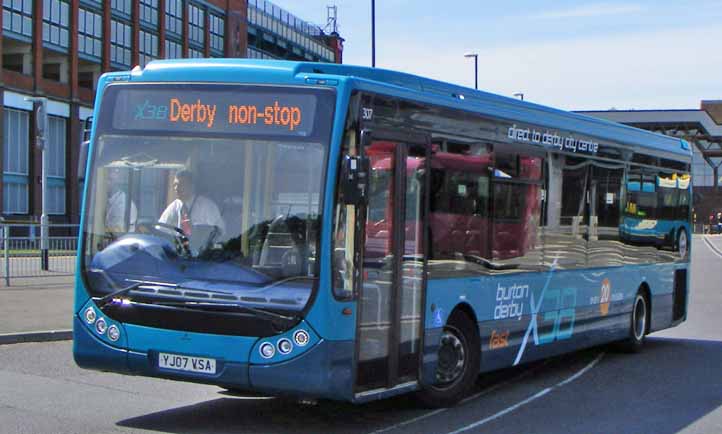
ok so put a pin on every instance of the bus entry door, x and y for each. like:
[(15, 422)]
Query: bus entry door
[(394, 261)]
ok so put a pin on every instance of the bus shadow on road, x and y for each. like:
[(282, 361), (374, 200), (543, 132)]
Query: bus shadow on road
[(231, 415), (670, 385), (281, 415)]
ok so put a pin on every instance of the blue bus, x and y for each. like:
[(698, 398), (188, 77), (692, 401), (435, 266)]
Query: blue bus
[(656, 212), (336, 232)]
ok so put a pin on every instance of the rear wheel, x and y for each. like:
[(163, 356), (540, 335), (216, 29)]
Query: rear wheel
[(638, 325), (458, 363), (682, 243)]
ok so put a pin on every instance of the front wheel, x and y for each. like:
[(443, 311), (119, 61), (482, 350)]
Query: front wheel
[(457, 365)]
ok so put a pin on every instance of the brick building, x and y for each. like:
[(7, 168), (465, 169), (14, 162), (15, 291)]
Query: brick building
[(58, 48)]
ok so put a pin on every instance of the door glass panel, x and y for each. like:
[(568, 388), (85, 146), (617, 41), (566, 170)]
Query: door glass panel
[(389, 336), (378, 262), (412, 268)]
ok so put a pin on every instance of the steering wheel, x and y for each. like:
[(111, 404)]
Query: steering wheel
[(171, 233)]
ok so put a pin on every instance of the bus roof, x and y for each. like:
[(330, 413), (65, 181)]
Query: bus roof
[(412, 87)]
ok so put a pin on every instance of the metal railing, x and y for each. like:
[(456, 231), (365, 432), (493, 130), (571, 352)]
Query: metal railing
[(712, 229), (22, 256)]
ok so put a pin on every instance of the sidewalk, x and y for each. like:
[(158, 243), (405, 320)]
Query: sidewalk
[(36, 309)]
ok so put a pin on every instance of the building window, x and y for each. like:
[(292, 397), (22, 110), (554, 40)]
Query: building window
[(148, 47), (18, 16), (217, 31), (174, 16), (149, 12), (57, 137), (173, 50), (56, 19), (122, 6), (253, 53), (90, 33), (15, 161), (196, 25), (195, 54), (120, 43)]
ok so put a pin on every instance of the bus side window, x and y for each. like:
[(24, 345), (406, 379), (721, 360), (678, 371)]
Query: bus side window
[(567, 212), (516, 211), (605, 215), (640, 227), (458, 223)]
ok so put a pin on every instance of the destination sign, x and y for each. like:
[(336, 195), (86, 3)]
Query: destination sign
[(225, 109)]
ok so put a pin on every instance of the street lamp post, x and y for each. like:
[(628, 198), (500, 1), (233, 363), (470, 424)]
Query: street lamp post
[(476, 68), (373, 33), (41, 121)]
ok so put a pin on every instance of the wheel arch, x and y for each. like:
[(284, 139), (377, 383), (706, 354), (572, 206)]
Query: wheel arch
[(465, 308)]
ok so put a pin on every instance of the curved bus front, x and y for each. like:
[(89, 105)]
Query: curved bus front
[(235, 298)]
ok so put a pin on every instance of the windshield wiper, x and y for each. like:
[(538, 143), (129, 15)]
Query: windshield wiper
[(103, 301), (254, 310)]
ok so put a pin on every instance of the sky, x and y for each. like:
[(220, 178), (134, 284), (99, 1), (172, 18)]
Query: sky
[(573, 55)]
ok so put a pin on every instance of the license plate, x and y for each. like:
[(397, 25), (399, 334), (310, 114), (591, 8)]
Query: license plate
[(179, 362)]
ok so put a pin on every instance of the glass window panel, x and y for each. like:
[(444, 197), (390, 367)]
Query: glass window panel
[(54, 35), (15, 161), (64, 14), (17, 23)]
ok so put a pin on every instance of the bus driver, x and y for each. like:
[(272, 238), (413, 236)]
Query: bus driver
[(190, 209)]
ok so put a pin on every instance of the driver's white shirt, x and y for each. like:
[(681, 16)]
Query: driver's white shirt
[(203, 211)]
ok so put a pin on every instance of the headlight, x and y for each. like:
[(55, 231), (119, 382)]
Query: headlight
[(90, 315), (113, 333), (101, 326), (267, 350), (301, 338), (284, 346)]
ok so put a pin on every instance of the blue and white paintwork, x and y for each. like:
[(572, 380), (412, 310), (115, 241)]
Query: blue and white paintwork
[(554, 310)]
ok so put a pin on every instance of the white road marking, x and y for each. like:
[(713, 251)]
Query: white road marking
[(711, 246), (505, 411), (530, 399), (463, 401), (410, 421)]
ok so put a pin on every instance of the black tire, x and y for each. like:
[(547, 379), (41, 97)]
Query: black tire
[(459, 350), (638, 324)]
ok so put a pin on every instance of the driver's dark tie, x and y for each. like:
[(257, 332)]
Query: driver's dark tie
[(185, 221)]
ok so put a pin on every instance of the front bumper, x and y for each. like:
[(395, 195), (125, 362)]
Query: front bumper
[(323, 370)]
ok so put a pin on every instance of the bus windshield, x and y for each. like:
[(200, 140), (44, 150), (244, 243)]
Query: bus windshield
[(199, 215)]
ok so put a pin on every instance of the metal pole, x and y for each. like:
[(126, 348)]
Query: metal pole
[(44, 248), (373, 33), (6, 248), (476, 68), (476, 72), (41, 122)]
